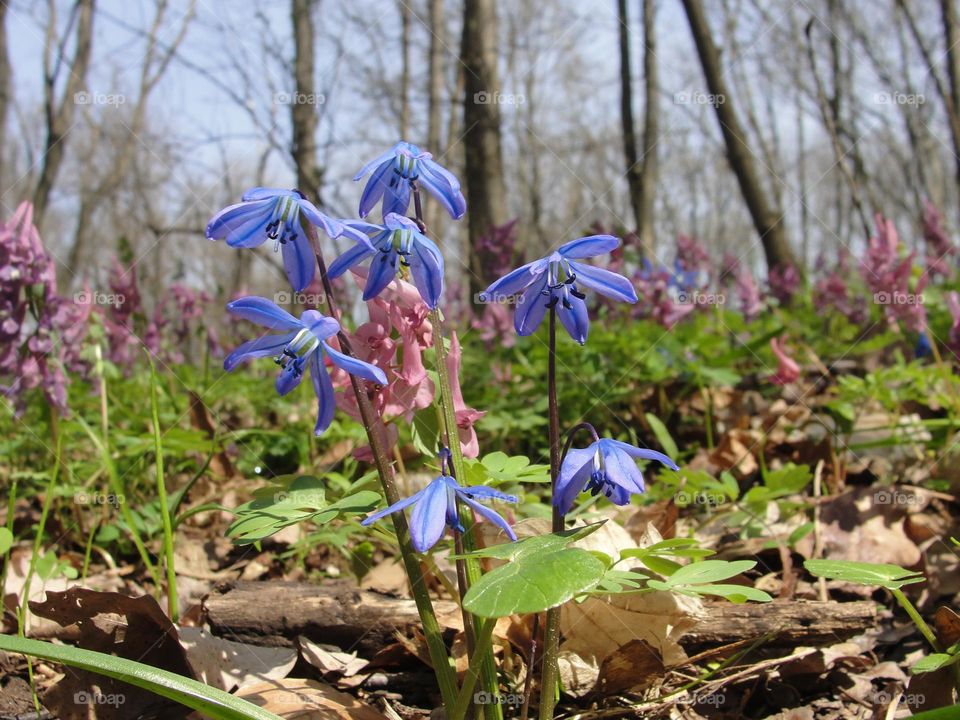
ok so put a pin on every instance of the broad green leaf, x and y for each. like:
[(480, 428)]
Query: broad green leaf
[(542, 573), (210, 701), (6, 540), (660, 564), (880, 574), (663, 435), (933, 662), (733, 593), (708, 571)]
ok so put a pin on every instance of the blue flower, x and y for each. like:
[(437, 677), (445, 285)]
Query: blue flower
[(605, 466), (923, 349), (436, 507), (553, 282), (398, 248), (301, 344), (272, 214), (394, 170)]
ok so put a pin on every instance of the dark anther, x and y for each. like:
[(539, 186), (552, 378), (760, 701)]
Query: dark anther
[(552, 303), (577, 294), (302, 196)]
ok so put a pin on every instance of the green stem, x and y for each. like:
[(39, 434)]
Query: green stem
[(551, 636), (917, 620), (173, 609), (484, 647), (11, 509), (373, 426)]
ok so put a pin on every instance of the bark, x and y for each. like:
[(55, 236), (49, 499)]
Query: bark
[(342, 614), (404, 68), (4, 87), (649, 161), (58, 113), (435, 92), (303, 105), (630, 155), (485, 190), (767, 219)]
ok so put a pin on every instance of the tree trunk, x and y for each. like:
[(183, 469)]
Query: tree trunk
[(951, 31), (767, 219), (435, 94), (404, 10), (4, 88), (303, 109), (649, 162), (59, 115), (630, 156), (485, 190)]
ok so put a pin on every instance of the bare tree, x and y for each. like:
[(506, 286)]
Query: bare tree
[(767, 219), (59, 112), (649, 161), (630, 154), (4, 84), (486, 194), (303, 114)]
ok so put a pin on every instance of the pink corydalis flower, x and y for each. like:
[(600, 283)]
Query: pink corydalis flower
[(788, 371), (784, 282), (888, 276), (751, 304), (466, 416), (940, 250), (953, 304)]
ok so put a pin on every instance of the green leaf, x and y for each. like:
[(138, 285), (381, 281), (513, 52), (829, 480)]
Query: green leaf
[(6, 540), (733, 593), (708, 571), (936, 661), (880, 574), (660, 564), (663, 435), (210, 701), (542, 573)]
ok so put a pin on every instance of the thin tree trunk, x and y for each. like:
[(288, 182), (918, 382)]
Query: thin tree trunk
[(303, 110), (486, 193), (649, 161), (435, 92), (767, 219), (404, 68), (4, 88), (951, 31), (630, 155), (59, 115)]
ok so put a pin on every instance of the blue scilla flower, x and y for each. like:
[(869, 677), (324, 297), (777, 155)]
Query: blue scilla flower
[(300, 345), (273, 214), (435, 507), (554, 281), (605, 466), (397, 249), (392, 174)]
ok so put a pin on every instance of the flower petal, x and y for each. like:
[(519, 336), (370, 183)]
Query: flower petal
[(386, 157), (375, 187), (266, 346), (574, 473), (287, 380), (482, 492), (323, 388), (531, 307), (444, 187), (265, 193), (357, 254), (355, 367), (641, 453), (331, 227), (605, 282), (589, 246), (263, 312), (429, 516), (575, 319), (396, 507), (514, 281), (426, 266), (241, 225), (383, 270), (490, 515), (622, 470), (319, 324), (298, 261), (396, 197)]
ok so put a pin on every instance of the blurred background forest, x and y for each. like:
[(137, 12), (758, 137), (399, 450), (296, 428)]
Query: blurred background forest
[(771, 131)]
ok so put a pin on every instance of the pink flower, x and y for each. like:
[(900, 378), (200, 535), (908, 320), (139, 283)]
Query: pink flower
[(751, 303), (787, 369), (466, 416), (940, 249)]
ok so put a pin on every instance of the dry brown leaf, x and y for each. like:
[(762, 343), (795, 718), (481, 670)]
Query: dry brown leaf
[(307, 700), (226, 664), (632, 668), (329, 659), (578, 675)]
